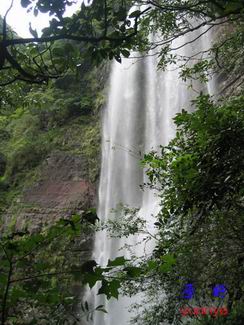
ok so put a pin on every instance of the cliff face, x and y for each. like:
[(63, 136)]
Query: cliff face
[(49, 169), (52, 152), (62, 189)]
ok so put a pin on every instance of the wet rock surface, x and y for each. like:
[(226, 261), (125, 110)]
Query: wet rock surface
[(61, 190)]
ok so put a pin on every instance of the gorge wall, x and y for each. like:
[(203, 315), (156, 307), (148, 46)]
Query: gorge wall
[(52, 151)]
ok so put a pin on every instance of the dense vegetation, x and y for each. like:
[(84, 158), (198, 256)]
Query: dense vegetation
[(198, 176), (105, 30), (40, 273), (36, 123), (199, 242)]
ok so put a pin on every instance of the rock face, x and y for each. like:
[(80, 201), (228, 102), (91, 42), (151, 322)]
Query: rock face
[(61, 195), (52, 151), (62, 189), (51, 170)]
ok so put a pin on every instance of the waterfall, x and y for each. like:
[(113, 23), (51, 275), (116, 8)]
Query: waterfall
[(138, 118)]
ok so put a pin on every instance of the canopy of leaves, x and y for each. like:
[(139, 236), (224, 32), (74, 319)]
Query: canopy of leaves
[(39, 272), (106, 30), (199, 176)]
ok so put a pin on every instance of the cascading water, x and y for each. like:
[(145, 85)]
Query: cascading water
[(138, 117)]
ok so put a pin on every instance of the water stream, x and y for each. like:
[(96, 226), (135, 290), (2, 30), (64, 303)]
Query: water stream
[(138, 118)]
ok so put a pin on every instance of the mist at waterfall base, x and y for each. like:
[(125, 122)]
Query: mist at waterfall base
[(142, 101)]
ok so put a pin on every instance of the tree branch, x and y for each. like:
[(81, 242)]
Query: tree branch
[(18, 67), (5, 296), (8, 82), (75, 37), (42, 275)]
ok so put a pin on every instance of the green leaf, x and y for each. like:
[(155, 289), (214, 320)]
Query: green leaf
[(69, 47), (35, 12), (16, 293), (33, 31), (134, 14), (3, 279), (133, 271), (118, 58), (90, 216), (125, 53), (117, 261), (233, 6), (169, 259), (88, 266), (58, 51), (152, 265), (121, 14), (92, 279), (110, 289), (25, 3), (101, 308), (46, 31)]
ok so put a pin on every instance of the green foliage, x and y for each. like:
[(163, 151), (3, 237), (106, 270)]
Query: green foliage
[(109, 30), (24, 147), (2, 164), (46, 272), (38, 272), (199, 178), (199, 175), (47, 119), (125, 223), (201, 167)]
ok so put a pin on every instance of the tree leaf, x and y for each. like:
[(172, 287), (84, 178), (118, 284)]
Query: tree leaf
[(117, 261), (133, 271), (25, 3), (110, 289), (134, 14)]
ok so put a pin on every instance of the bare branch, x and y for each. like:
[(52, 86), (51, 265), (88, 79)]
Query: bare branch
[(193, 40)]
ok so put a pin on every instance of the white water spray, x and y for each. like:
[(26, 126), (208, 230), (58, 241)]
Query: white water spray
[(138, 118)]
